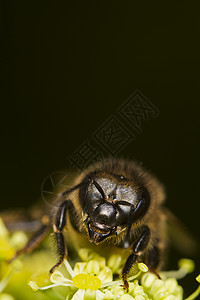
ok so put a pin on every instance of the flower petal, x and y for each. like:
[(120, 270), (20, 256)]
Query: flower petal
[(79, 295), (57, 277), (105, 275)]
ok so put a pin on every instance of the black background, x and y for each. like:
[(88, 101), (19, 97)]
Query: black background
[(67, 67)]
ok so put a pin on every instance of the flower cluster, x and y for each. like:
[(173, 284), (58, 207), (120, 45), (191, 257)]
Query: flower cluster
[(92, 278)]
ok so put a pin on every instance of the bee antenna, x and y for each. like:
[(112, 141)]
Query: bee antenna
[(78, 186), (99, 188), (129, 223), (84, 182)]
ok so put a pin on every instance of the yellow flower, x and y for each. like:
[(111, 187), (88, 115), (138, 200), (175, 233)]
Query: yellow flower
[(89, 280)]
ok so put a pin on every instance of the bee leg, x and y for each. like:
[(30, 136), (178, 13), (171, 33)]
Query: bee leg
[(153, 260), (35, 240), (58, 227), (138, 247)]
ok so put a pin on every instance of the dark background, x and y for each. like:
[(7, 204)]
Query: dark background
[(67, 66)]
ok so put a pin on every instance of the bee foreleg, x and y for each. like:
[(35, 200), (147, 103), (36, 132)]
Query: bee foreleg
[(138, 247), (58, 227), (153, 259)]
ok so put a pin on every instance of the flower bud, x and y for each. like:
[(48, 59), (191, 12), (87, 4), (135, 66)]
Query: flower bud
[(93, 267), (147, 280), (33, 285), (198, 278), (142, 267), (114, 262), (4, 296), (171, 285), (126, 297), (186, 264), (18, 239), (90, 295)]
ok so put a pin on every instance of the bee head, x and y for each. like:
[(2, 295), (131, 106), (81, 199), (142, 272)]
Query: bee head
[(107, 202)]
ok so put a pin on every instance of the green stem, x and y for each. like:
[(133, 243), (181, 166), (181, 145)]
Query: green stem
[(178, 274), (4, 282), (194, 295)]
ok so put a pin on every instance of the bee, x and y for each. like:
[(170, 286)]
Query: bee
[(113, 205)]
